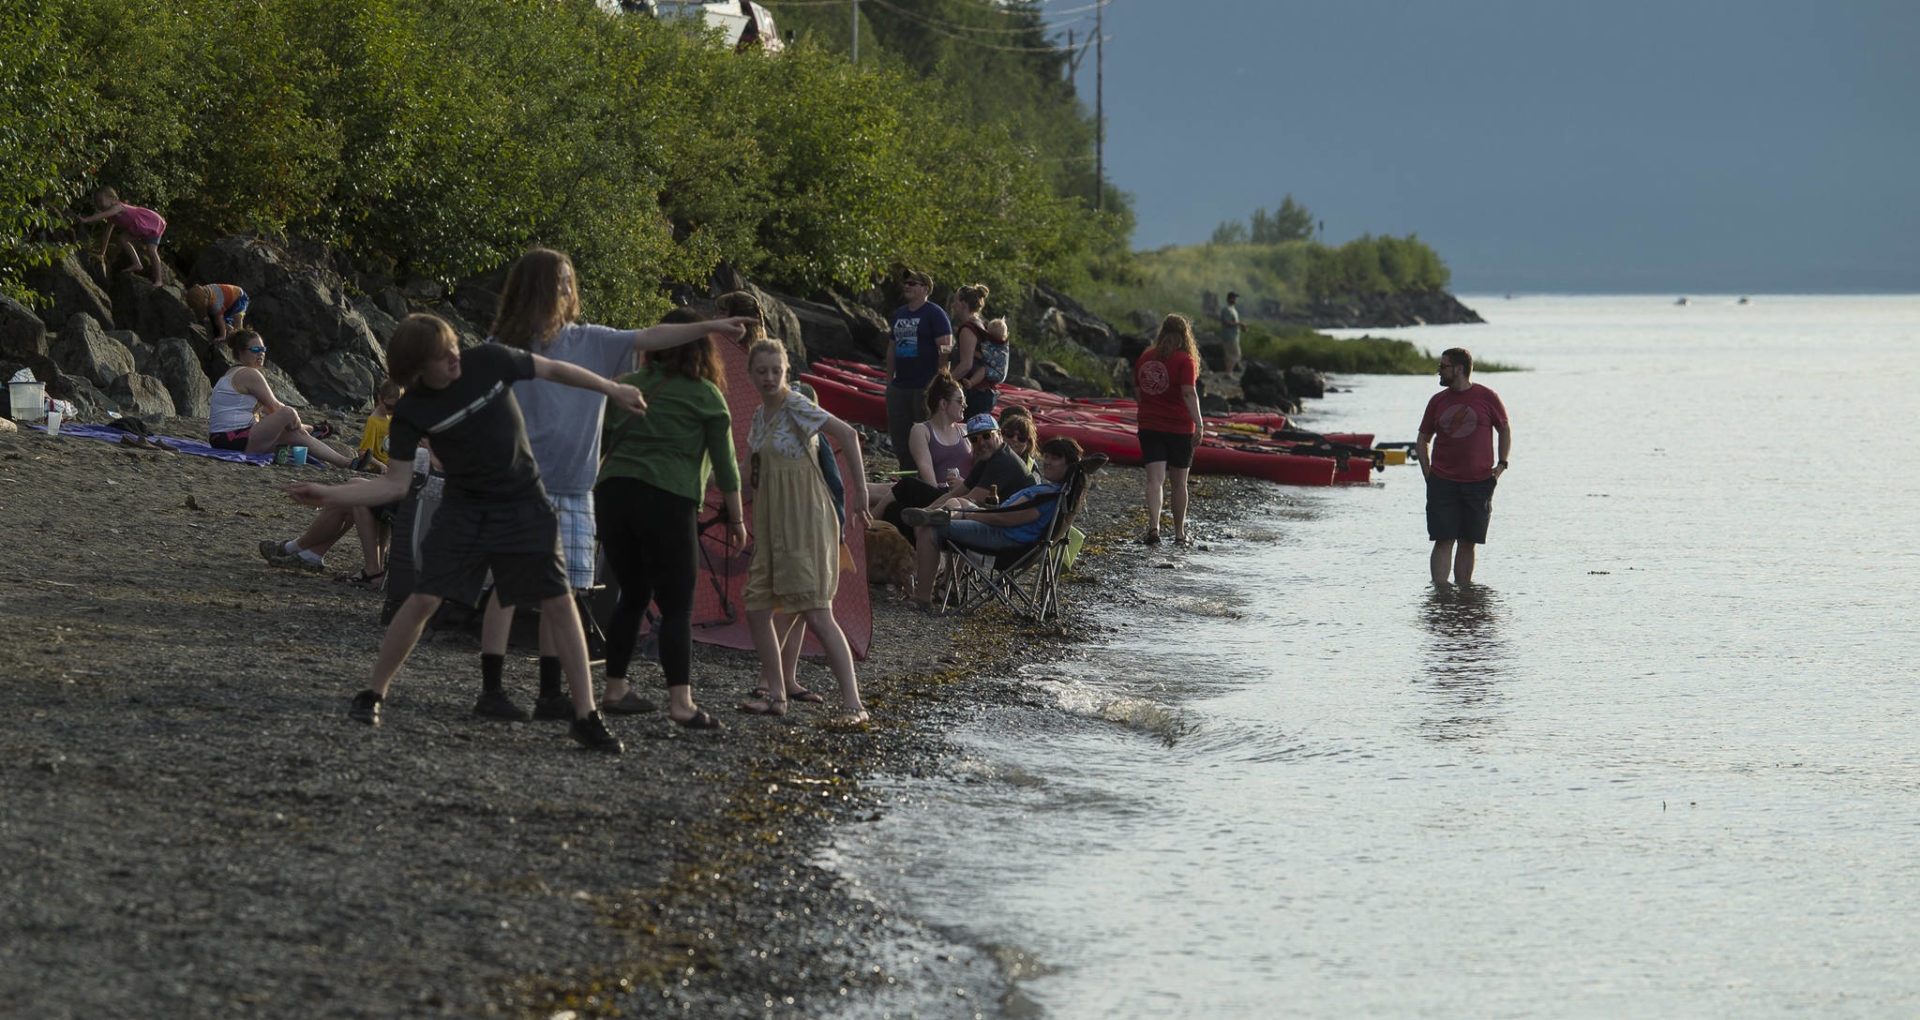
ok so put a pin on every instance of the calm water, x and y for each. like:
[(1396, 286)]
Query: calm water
[(1661, 762)]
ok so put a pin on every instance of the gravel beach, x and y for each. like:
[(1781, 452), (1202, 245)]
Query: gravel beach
[(193, 827)]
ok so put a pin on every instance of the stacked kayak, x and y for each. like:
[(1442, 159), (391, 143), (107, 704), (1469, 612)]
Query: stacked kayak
[(1255, 445)]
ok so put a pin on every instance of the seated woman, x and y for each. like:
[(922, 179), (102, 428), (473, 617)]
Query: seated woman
[(243, 415), (1018, 432), (1018, 522), (940, 452)]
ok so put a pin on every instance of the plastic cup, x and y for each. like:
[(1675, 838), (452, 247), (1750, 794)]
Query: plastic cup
[(300, 456), (54, 418)]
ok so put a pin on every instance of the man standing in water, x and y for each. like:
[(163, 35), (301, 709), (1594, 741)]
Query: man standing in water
[(1460, 422)]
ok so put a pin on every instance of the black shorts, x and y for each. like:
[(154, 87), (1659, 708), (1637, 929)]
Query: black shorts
[(519, 541), (1458, 511), (1176, 448), (235, 440), (386, 512)]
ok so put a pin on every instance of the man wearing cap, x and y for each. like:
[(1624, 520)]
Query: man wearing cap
[(996, 468), (1230, 331), (921, 331), (1461, 421)]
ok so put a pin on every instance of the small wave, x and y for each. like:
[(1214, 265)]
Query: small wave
[(1142, 715)]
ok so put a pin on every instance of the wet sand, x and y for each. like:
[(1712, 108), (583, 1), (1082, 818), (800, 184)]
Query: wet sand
[(194, 828)]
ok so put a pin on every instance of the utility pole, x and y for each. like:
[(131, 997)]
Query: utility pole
[(1099, 106), (856, 31)]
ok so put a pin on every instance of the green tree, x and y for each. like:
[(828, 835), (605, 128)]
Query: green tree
[(1229, 232), (1291, 222)]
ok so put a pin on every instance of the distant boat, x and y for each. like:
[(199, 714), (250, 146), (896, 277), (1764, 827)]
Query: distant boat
[(1743, 301), (1683, 302)]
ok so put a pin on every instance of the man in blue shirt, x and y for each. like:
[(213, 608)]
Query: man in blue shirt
[(922, 334)]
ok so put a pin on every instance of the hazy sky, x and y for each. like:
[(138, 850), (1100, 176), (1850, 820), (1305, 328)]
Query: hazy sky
[(1675, 146)]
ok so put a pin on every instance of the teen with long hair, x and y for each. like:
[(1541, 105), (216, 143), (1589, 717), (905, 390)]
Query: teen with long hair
[(1164, 380), (537, 313)]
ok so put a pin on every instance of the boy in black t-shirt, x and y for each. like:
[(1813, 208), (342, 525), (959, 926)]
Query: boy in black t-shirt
[(495, 513)]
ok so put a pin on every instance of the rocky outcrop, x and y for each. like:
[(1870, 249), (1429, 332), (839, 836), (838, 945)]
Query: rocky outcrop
[(85, 350), (70, 291), (142, 396), (1047, 313), (1306, 382), (1261, 384), (22, 334), (783, 324), (178, 369), (1362, 311), (300, 303)]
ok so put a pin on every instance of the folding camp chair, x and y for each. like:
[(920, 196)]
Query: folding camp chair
[(1026, 579)]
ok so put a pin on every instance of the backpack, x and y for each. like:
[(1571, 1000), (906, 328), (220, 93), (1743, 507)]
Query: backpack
[(991, 353)]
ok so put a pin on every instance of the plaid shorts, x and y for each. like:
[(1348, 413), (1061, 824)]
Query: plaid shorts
[(576, 534)]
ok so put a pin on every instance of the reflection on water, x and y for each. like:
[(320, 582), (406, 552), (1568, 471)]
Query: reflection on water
[(1466, 658)]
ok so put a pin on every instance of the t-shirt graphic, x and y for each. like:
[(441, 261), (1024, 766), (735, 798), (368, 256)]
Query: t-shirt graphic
[(1457, 421), (1153, 380), (906, 337)]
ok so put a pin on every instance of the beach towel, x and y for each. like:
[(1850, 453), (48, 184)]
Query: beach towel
[(196, 447)]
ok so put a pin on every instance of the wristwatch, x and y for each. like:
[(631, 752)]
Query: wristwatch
[(1501, 464)]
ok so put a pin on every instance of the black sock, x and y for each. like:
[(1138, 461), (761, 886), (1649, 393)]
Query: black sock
[(490, 667), (549, 675)]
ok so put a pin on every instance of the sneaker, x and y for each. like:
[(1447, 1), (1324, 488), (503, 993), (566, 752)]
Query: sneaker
[(366, 708), (553, 706), (919, 517), (592, 733), (275, 552), (308, 566), (496, 705)]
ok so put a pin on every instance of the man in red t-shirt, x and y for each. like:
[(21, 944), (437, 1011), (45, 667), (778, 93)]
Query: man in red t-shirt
[(1460, 422)]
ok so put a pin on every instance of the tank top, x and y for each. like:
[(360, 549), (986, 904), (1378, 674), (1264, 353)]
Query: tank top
[(228, 409), (948, 456)]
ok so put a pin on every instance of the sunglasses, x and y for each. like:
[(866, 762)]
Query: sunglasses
[(978, 437), (256, 350)]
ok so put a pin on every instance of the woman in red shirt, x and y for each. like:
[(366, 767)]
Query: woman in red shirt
[(1170, 421)]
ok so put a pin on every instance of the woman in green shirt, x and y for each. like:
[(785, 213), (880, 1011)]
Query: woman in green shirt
[(653, 480)]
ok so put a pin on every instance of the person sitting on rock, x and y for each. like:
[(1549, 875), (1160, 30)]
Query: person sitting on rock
[(243, 415), (222, 305)]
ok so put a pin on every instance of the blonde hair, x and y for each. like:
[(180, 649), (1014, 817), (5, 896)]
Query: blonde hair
[(107, 193), (199, 300), (532, 309), (773, 347), (389, 392), (1176, 334), (997, 328), (419, 339)]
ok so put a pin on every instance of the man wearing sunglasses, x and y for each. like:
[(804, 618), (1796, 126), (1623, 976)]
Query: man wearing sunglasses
[(995, 468), (243, 415)]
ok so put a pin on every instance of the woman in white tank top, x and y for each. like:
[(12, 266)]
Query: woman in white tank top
[(243, 415)]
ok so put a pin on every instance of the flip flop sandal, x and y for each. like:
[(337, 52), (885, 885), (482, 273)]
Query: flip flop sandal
[(700, 720), (773, 708), (851, 721), (361, 579)]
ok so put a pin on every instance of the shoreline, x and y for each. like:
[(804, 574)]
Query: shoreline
[(197, 829)]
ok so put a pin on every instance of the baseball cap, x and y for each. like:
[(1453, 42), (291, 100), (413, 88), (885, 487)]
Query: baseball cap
[(981, 423)]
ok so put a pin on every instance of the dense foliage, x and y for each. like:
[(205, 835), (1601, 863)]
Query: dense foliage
[(1290, 222), (442, 137)]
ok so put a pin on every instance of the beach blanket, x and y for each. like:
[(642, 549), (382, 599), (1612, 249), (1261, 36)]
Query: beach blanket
[(718, 618), (196, 447)]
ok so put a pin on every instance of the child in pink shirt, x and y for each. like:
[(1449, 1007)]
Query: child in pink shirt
[(142, 225)]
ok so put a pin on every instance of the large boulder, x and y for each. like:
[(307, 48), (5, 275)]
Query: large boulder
[(1260, 383), (343, 379), (142, 351), (1055, 379), (1048, 313), (1306, 382), (147, 309), (84, 349), (299, 302), (142, 396), (283, 388), (825, 333), (22, 334), (83, 395), (178, 368), (782, 323), (70, 290)]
